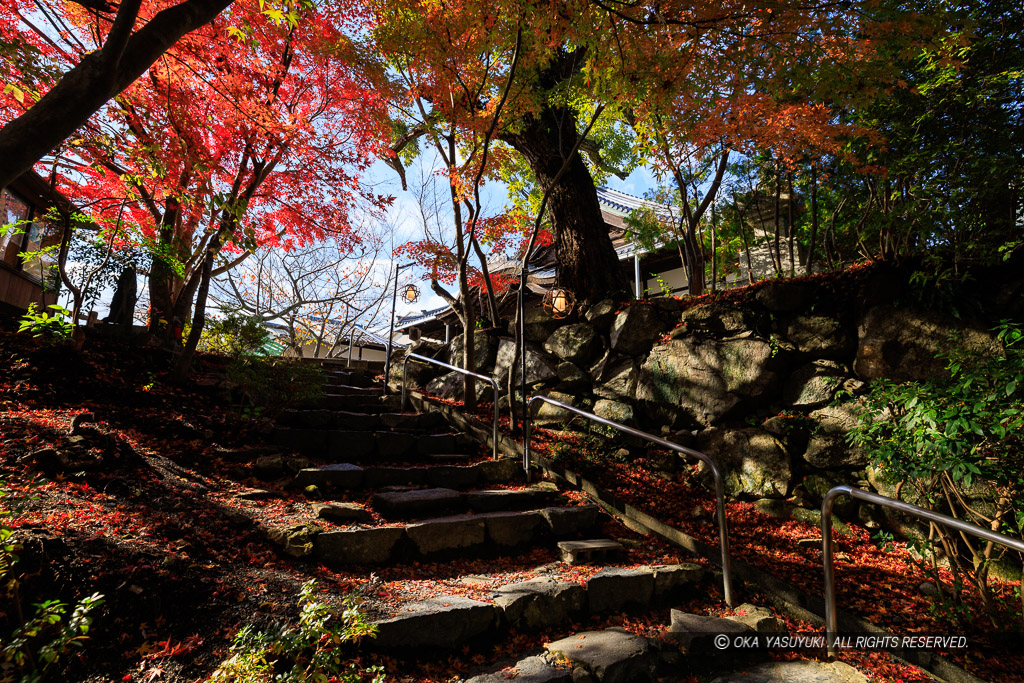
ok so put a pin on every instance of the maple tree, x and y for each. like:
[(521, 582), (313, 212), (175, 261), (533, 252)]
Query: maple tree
[(714, 73), (250, 132), (84, 80)]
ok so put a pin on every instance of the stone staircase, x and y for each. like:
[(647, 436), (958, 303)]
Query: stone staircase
[(399, 488)]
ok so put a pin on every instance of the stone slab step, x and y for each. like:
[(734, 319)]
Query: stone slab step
[(459, 477), (532, 605), (330, 419), (361, 421), (358, 444), (352, 379), (453, 458), (354, 402), (446, 622), (493, 500), (609, 656), (795, 672), (418, 503), (349, 390), (395, 505), (594, 550), (494, 531)]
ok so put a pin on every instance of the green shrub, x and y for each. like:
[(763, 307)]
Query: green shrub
[(37, 642), (54, 326), (314, 650), (236, 334), (957, 443)]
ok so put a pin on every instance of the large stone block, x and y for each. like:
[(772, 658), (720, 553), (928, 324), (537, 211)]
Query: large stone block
[(539, 366), (814, 384), (447, 622), (795, 672), (755, 462), (706, 378), (696, 632), (635, 329), (500, 471), (536, 669), (570, 520), (510, 529), (617, 379), (345, 445), (614, 588), (406, 504), (340, 476), (577, 343), (610, 656), (447, 533), (539, 603), (902, 344), (356, 546), (820, 336)]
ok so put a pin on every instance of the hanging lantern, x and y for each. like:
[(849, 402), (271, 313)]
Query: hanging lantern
[(559, 303), (410, 294)]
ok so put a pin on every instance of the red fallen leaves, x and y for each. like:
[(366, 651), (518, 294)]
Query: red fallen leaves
[(168, 648)]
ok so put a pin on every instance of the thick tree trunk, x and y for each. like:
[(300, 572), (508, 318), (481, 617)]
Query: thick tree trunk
[(94, 81), (587, 263), (184, 362)]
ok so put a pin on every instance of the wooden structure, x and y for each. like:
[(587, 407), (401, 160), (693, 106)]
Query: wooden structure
[(23, 207)]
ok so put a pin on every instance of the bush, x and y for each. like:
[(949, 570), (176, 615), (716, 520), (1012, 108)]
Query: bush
[(236, 334), (958, 443), (53, 327), (313, 650), (40, 641)]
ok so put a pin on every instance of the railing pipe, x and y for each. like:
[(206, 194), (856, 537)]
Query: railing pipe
[(485, 378), (723, 530), (831, 616)]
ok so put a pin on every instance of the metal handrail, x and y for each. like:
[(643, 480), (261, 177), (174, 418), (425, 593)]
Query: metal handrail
[(493, 383), (703, 457), (831, 617)]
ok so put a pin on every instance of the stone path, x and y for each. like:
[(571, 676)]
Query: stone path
[(430, 494)]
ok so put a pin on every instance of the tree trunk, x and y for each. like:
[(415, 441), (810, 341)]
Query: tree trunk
[(790, 227), (93, 82), (814, 219), (587, 263), (184, 363)]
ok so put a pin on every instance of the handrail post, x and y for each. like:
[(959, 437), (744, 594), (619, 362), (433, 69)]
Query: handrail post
[(831, 612), (485, 378), (716, 472), (828, 568), (405, 369)]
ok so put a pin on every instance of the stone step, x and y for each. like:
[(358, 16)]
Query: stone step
[(585, 552), (451, 622), (396, 505), (460, 477), (352, 379), (608, 656), (450, 457), (417, 503), (354, 402), (349, 390), (351, 444), (490, 531)]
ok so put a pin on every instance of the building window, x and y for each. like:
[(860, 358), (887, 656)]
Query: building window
[(37, 266), (12, 211)]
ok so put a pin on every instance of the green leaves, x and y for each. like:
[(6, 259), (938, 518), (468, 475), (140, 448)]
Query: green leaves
[(957, 442), (306, 652), (55, 326)]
